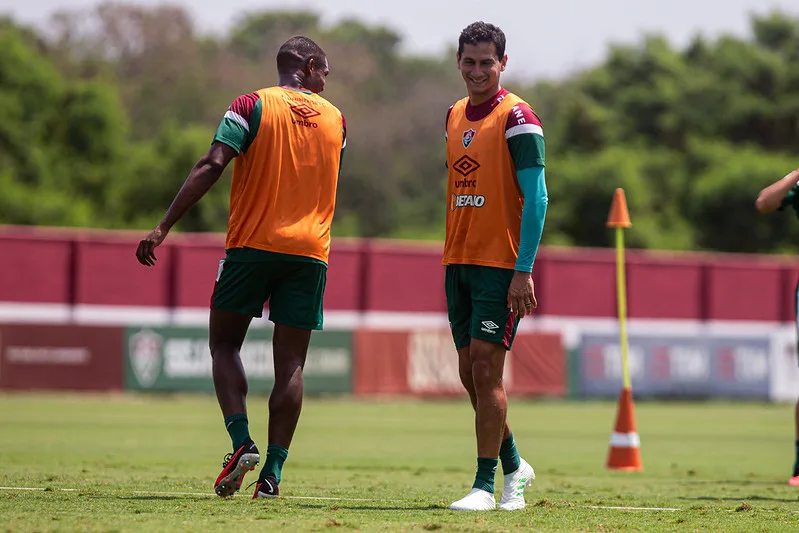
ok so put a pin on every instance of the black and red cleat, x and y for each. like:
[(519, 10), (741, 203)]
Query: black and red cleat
[(234, 467), (266, 488)]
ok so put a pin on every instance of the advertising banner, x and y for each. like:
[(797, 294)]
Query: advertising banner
[(784, 366), (178, 359), (425, 363), (689, 366), (65, 357)]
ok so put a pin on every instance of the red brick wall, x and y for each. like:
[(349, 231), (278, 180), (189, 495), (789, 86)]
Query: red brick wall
[(68, 267)]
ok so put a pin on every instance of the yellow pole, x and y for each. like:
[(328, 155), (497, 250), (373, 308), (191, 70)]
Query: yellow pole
[(619, 218), (624, 442), (621, 296)]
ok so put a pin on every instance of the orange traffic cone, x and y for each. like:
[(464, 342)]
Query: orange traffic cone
[(625, 453), (619, 216)]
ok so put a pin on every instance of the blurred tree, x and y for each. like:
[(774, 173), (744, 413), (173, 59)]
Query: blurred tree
[(60, 141), (152, 54), (105, 113), (257, 36)]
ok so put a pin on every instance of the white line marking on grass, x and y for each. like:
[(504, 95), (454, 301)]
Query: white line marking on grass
[(157, 493), (161, 493), (634, 508), (43, 489)]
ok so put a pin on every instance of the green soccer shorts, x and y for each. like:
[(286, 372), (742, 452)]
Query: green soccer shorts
[(293, 285), (477, 305)]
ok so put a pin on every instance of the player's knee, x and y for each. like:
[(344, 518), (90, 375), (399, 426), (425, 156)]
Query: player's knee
[(221, 349), (467, 379), (465, 368), (485, 376), (286, 396)]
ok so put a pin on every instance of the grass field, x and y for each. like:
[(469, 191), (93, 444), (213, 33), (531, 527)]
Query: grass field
[(142, 463)]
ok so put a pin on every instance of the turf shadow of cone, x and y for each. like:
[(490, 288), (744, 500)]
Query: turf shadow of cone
[(625, 445)]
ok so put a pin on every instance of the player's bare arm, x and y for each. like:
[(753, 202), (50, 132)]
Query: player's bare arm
[(770, 198), (202, 177)]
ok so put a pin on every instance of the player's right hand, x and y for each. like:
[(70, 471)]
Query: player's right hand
[(521, 294), (145, 253)]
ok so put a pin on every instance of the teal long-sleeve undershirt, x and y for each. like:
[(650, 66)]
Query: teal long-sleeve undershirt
[(532, 182)]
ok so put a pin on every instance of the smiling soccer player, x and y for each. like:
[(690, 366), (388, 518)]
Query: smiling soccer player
[(497, 205)]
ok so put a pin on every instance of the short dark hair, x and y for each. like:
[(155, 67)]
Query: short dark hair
[(296, 52), (482, 32)]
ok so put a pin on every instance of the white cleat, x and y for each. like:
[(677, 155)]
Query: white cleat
[(513, 491), (476, 500)]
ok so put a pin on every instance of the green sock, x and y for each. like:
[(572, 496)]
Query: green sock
[(509, 455), (796, 461), (275, 457), (486, 468), (238, 429)]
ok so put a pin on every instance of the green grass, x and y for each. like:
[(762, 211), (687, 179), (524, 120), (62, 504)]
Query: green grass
[(723, 465)]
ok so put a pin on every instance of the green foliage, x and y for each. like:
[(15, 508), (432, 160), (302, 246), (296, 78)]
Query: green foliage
[(32, 204), (691, 135), (155, 175), (580, 187), (720, 202), (104, 118), (258, 36)]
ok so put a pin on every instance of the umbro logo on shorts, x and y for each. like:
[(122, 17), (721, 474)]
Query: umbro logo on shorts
[(489, 327)]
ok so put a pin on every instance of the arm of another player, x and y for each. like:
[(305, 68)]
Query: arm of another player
[(778, 193), (343, 143)]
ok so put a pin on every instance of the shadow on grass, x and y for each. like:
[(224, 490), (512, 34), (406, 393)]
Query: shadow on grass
[(342, 505), (165, 497), (376, 507), (736, 482), (740, 499)]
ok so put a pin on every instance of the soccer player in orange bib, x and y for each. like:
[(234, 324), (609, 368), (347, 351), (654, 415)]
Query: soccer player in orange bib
[(288, 143), (497, 206)]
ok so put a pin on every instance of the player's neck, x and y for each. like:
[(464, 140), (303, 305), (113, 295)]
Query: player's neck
[(485, 96), (291, 81)]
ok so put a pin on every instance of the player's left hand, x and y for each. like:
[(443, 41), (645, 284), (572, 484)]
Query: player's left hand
[(521, 294), (145, 253)]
